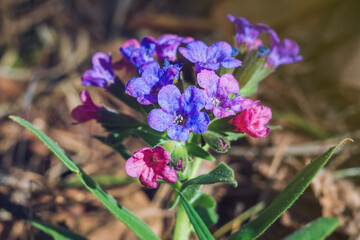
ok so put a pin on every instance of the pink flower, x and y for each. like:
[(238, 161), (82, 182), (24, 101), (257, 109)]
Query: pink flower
[(87, 111), (252, 121), (150, 165)]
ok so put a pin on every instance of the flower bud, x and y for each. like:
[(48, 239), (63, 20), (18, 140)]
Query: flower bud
[(217, 142)]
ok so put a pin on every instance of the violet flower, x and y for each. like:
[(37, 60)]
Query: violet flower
[(153, 78), (167, 45), (252, 121), (204, 57), (150, 165), (246, 33), (138, 54), (125, 62), (217, 90), (180, 113), (285, 51), (102, 73), (87, 111)]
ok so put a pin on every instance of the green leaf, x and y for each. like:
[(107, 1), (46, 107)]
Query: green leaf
[(221, 125), (103, 180), (58, 233), (208, 215), (149, 135), (114, 141), (199, 226), (204, 200), (234, 136), (113, 121), (190, 193), (197, 151), (286, 198), (134, 223), (222, 173), (315, 230), (49, 143)]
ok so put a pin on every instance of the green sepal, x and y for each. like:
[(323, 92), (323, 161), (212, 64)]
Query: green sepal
[(199, 152), (216, 141)]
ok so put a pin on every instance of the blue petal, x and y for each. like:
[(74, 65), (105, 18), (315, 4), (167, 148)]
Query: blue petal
[(169, 98), (178, 133), (137, 87), (195, 51), (159, 120), (192, 100), (198, 122)]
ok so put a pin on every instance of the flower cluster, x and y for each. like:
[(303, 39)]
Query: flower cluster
[(170, 103)]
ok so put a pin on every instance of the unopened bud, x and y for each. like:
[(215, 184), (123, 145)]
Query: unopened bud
[(216, 141)]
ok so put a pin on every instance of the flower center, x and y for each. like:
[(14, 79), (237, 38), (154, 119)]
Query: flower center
[(178, 120), (215, 102), (155, 159)]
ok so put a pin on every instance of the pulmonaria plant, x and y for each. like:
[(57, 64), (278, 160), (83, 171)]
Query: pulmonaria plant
[(183, 118)]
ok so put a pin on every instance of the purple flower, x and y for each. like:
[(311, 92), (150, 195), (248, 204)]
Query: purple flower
[(153, 78), (125, 62), (138, 54), (211, 57), (217, 90), (87, 111), (246, 33), (180, 113), (285, 51), (167, 45), (150, 165), (102, 73)]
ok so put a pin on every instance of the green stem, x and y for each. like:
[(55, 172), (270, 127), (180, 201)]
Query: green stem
[(182, 225)]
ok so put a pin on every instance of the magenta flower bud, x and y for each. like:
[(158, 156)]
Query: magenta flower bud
[(252, 121), (87, 111), (150, 165)]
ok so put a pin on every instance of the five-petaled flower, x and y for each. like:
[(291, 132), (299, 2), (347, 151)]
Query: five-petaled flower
[(285, 51), (180, 113), (152, 80), (138, 54), (247, 34), (102, 73), (204, 57), (87, 111), (252, 121), (150, 165), (217, 90)]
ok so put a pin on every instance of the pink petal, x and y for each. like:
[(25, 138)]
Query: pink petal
[(135, 167)]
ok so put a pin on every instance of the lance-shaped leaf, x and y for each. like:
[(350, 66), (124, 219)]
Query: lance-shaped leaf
[(114, 140), (113, 121), (197, 151), (149, 135), (139, 227), (222, 173), (286, 198), (58, 233), (315, 230), (199, 226)]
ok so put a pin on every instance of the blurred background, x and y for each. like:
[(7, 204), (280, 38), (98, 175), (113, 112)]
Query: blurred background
[(45, 46)]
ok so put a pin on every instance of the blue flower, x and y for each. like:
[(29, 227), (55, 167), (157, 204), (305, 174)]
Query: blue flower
[(211, 57), (139, 54), (167, 45), (153, 78), (179, 114), (102, 73)]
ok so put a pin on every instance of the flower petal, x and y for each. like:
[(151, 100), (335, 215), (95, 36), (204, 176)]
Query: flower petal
[(168, 174), (168, 98), (218, 51), (148, 178), (208, 80), (228, 84), (160, 120), (198, 122), (178, 133), (195, 51), (92, 78), (192, 100), (162, 154), (137, 87), (135, 166), (230, 62)]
